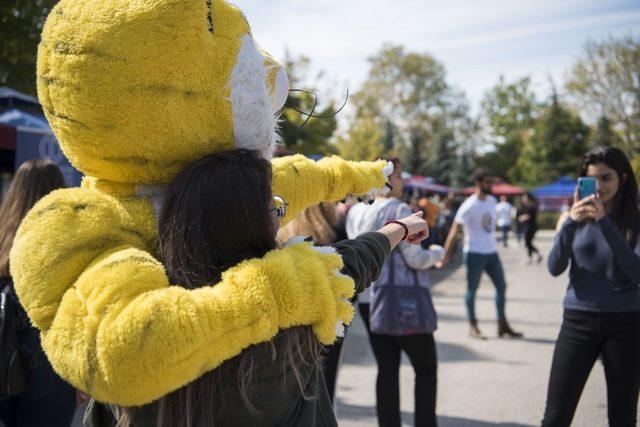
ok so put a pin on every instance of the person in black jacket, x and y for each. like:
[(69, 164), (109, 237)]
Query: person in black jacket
[(600, 240), (217, 213), (49, 401), (528, 219)]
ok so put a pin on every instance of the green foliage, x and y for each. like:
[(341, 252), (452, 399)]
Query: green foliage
[(606, 81), (421, 116), (635, 163), (509, 109), (363, 141), (605, 134), (558, 142), (548, 220), (21, 22), (315, 136)]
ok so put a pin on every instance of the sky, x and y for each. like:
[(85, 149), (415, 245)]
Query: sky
[(476, 40)]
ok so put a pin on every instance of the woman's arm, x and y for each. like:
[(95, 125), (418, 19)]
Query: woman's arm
[(364, 256), (418, 258), (627, 259), (562, 248)]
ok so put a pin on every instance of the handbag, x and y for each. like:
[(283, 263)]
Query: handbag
[(401, 309)]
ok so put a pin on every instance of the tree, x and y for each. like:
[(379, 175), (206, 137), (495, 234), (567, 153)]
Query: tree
[(605, 134), (558, 142), (21, 23), (635, 163), (304, 136), (364, 141), (509, 110), (408, 91), (606, 81)]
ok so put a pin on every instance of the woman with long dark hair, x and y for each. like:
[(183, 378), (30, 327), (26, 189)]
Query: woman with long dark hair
[(48, 400), (217, 213), (600, 240)]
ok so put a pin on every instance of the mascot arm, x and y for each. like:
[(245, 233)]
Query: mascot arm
[(113, 327), (303, 182)]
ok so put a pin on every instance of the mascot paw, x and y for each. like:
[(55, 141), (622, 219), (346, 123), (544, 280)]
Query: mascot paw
[(371, 195)]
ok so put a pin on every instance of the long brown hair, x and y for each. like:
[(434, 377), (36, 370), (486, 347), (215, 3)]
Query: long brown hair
[(216, 214), (33, 180), (626, 204)]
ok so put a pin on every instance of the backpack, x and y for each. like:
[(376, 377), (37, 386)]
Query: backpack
[(14, 363)]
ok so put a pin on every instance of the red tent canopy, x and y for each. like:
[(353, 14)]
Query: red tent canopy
[(499, 188), (427, 184)]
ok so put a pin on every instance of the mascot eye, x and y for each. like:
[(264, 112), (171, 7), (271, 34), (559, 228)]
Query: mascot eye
[(209, 18)]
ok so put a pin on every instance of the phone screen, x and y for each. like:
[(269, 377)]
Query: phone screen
[(586, 186)]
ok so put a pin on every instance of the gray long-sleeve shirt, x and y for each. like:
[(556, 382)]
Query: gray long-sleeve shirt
[(363, 218), (605, 270)]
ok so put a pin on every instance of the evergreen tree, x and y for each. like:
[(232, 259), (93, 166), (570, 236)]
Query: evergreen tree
[(21, 23), (414, 153), (558, 143), (300, 134), (605, 134)]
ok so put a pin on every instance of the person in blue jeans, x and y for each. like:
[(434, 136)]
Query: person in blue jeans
[(600, 240), (49, 401), (477, 217)]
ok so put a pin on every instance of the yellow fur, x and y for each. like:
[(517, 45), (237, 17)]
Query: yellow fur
[(135, 90)]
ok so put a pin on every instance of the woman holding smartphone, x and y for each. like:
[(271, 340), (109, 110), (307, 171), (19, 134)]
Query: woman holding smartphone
[(600, 240)]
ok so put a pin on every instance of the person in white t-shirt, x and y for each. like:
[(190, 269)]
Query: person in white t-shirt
[(477, 217), (503, 219)]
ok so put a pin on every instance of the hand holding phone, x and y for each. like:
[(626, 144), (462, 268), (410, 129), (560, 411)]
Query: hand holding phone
[(586, 187)]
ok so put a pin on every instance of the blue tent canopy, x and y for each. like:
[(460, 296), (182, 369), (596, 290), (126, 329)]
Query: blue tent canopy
[(17, 118), (562, 187), (11, 97)]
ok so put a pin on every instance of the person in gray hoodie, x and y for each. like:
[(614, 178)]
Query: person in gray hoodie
[(420, 347)]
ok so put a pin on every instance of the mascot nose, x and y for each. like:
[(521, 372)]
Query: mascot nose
[(277, 82)]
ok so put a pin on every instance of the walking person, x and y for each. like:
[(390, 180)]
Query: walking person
[(48, 400), (600, 242), (407, 265), (503, 219), (518, 224), (528, 219), (217, 213), (477, 218)]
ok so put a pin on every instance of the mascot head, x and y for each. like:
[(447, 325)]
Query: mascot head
[(137, 89)]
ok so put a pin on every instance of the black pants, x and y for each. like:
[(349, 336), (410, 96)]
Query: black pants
[(585, 336), (49, 401), (421, 349), (528, 242)]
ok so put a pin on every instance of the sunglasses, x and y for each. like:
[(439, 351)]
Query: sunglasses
[(280, 207)]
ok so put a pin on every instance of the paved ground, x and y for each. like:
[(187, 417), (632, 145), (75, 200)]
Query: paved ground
[(481, 384)]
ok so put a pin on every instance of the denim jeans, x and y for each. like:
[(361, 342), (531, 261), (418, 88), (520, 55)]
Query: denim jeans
[(476, 265), (49, 401)]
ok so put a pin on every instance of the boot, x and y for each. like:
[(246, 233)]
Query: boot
[(504, 330), (474, 331)]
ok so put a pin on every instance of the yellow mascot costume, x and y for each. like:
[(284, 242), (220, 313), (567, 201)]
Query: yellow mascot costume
[(135, 90)]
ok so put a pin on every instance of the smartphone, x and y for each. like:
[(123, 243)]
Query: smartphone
[(586, 186)]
